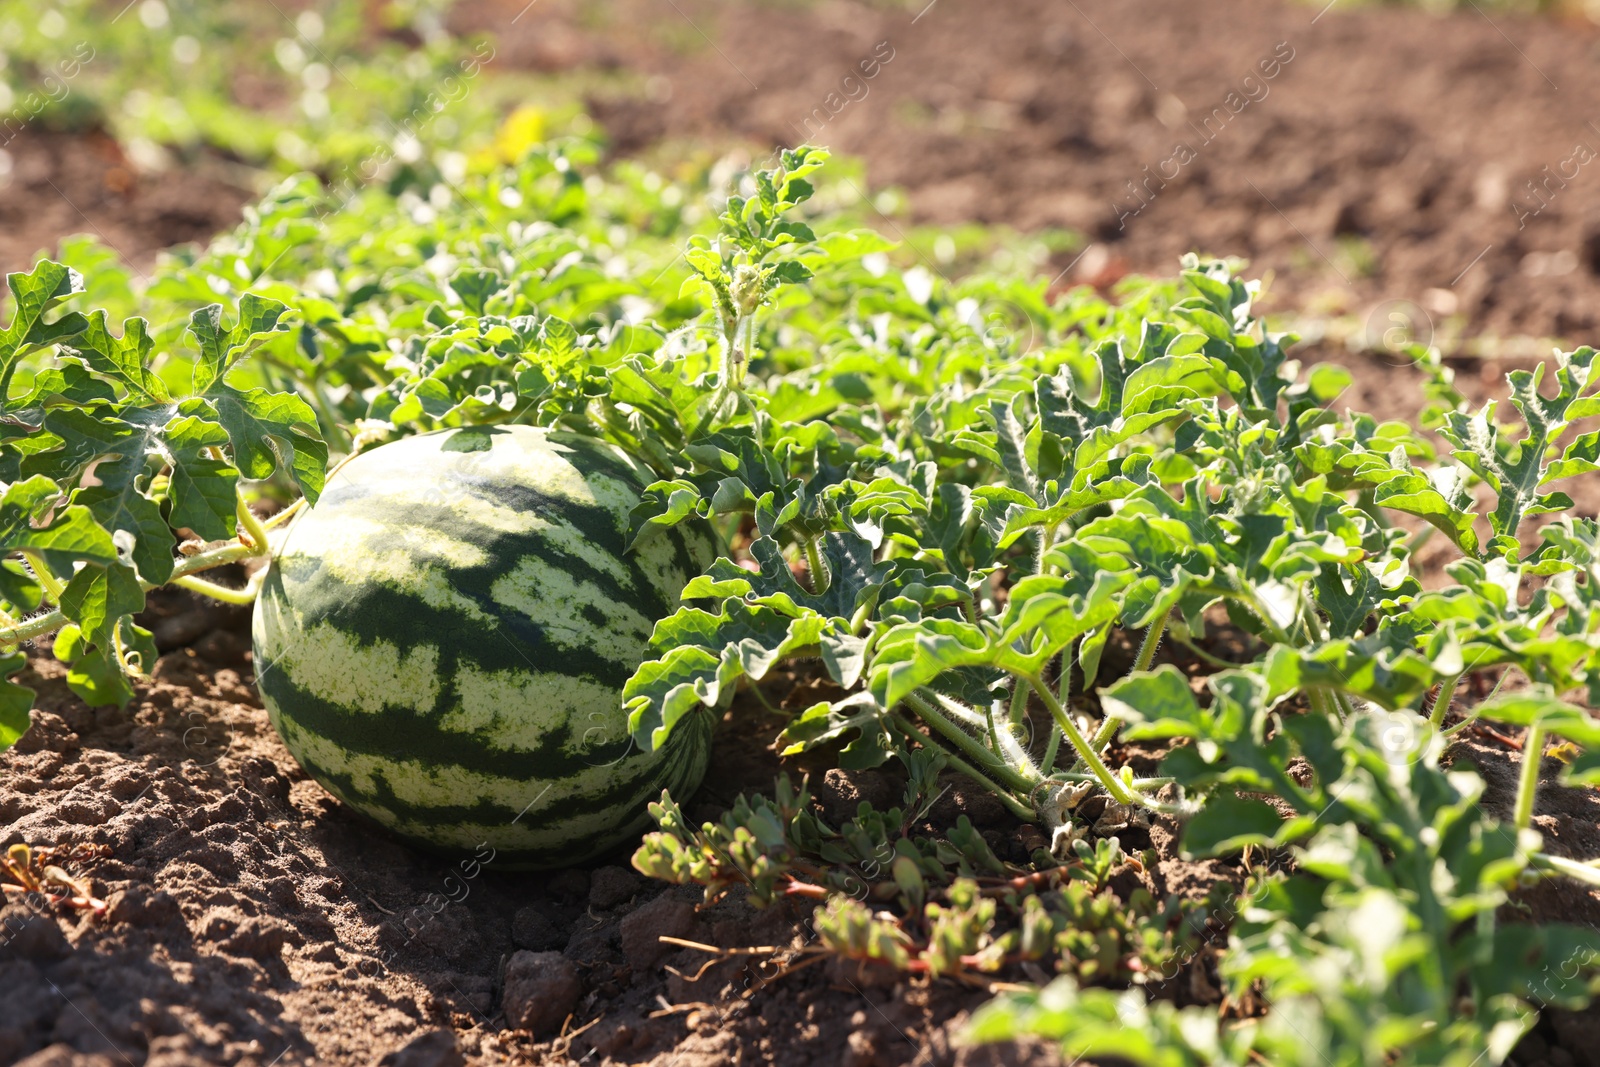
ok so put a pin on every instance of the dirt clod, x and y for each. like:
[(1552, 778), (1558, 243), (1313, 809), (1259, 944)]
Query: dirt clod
[(610, 886), (437, 1048), (139, 906), (532, 929), (34, 937), (569, 885), (643, 929), (542, 989)]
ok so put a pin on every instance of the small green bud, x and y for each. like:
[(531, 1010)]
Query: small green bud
[(747, 288)]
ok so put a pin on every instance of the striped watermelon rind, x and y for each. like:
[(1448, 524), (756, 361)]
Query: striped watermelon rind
[(443, 640)]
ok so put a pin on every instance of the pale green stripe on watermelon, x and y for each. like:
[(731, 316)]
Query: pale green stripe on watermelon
[(574, 611), (357, 549), (614, 492), (489, 699), (327, 661), (324, 659)]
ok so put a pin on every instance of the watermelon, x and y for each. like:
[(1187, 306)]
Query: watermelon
[(442, 643)]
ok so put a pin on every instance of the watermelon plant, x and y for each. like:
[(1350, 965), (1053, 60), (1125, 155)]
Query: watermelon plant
[(976, 540), (332, 88)]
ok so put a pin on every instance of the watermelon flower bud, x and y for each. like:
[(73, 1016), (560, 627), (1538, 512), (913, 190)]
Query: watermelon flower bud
[(747, 289)]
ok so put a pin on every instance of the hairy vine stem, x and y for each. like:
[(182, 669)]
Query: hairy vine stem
[(1152, 640), (1107, 730), (970, 746), (734, 361), (243, 596), (235, 552), (817, 566), (1441, 703), (53, 587), (1528, 782), (1086, 752), (1012, 804)]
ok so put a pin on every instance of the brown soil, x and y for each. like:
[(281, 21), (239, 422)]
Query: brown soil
[(65, 183), (1381, 162)]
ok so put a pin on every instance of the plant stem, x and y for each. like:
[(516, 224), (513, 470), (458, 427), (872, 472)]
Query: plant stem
[(1007, 748), (1441, 704), (730, 369), (1328, 703), (930, 714), (217, 557), (1528, 783), (718, 397), (1053, 745), (1202, 655), (1471, 714), (1048, 764), (1068, 660), (1019, 704), (1047, 537), (1017, 808), (285, 515), (1106, 732), (1308, 612), (246, 595), (39, 626), (249, 521), (817, 566), (863, 613), (50, 622), (988, 719), (963, 716), (1580, 872), (1089, 755), (46, 577), (1013, 805), (1152, 638), (1143, 785), (1341, 703)]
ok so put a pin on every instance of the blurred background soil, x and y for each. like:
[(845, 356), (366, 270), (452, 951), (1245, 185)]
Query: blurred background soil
[(1415, 172)]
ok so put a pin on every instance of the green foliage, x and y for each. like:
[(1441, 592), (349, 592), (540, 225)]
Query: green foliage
[(109, 468), (959, 497), (1386, 946), (330, 88), (961, 909)]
